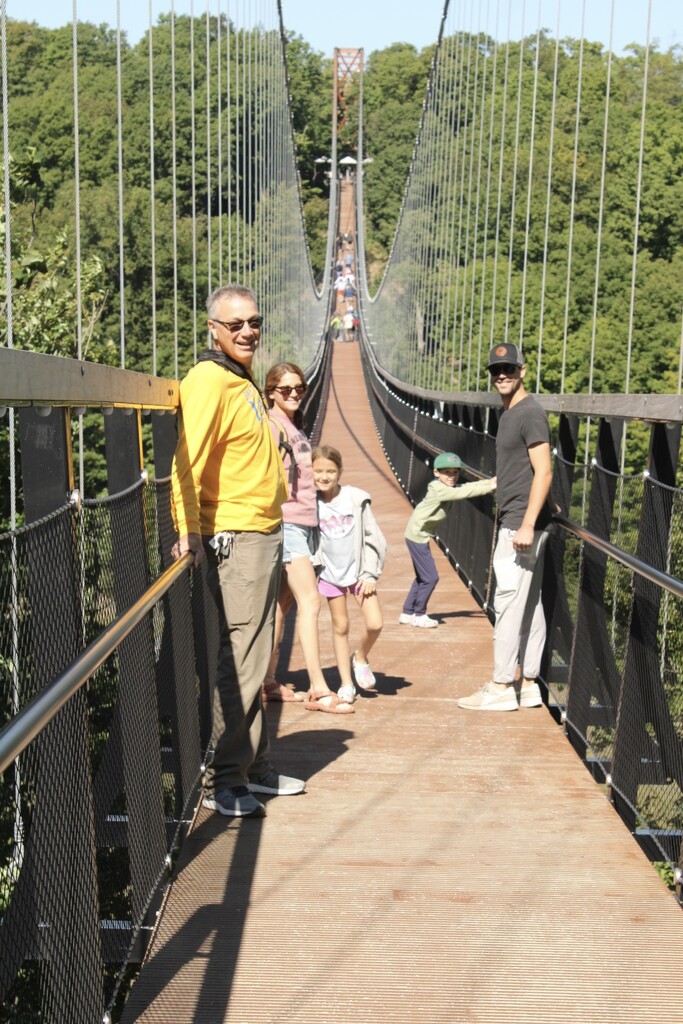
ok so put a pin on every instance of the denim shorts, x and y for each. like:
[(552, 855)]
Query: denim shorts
[(298, 542)]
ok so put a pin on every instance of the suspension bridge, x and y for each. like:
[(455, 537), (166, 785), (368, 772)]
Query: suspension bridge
[(440, 867)]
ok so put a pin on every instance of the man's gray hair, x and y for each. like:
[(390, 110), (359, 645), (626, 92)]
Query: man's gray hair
[(227, 291)]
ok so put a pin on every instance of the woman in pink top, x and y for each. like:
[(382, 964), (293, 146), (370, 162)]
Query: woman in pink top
[(284, 389)]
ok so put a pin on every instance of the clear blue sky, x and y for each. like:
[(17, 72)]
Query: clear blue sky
[(374, 24)]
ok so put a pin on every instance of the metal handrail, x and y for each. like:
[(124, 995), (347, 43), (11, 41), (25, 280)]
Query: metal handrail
[(25, 726), (656, 576)]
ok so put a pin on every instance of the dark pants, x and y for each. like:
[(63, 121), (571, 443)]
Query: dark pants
[(426, 578), (244, 586)]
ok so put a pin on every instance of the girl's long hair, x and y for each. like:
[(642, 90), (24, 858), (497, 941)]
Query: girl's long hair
[(273, 378)]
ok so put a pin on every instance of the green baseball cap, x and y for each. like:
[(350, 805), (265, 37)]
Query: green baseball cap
[(447, 460)]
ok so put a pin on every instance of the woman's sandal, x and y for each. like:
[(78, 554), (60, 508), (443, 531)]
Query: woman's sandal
[(274, 691), (335, 706)]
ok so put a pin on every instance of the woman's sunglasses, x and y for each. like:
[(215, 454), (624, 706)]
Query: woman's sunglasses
[(286, 392)]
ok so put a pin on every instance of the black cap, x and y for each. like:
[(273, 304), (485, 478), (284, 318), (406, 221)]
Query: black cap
[(505, 353)]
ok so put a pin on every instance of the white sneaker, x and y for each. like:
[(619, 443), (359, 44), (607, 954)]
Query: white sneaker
[(530, 696), (347, 694), (424, 622), (490, 699), (363, 674), (406, 620)]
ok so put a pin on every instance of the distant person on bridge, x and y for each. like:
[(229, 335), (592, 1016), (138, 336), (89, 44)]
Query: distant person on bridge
[(349, 322), (284, 389), (228, 485), (335, 327), (524, 474), (427, 515), (352, 551)]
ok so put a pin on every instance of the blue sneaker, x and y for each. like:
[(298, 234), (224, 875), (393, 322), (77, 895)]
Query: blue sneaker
[(276, 785), (235, 802)]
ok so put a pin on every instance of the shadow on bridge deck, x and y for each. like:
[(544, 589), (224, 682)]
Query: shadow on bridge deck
[(443, 866)]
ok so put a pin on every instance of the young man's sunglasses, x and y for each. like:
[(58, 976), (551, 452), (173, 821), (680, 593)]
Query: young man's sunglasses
[(507, 368)]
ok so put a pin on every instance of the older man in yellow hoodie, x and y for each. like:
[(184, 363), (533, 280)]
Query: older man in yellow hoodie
[(228, 486)]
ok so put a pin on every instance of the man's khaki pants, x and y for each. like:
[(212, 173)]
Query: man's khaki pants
[(519, 634), (244, 585)]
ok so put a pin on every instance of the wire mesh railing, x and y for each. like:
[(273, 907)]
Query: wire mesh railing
[(94, 806)]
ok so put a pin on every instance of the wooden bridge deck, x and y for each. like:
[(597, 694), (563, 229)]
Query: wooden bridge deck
[(444, 866)]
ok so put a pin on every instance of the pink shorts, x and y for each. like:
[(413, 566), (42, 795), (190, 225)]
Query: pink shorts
[(332, 590)]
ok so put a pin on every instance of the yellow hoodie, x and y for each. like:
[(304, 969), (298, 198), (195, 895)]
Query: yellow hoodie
[(227, 471)]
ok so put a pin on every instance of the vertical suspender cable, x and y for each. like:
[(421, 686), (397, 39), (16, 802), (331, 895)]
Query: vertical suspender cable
[(446, 77), (77, 231), (193, 157), (489, 168), (209, 253), (441, 276), (219, 137), (228, 134), (249, 220), (18, 828), (152, 210), (458, 191), (515, 161), (601, 204), (119, 149), (246, 269), (174, 194), (470, 267), (639, 189), (548, 197), (572, 204), (477, 212), (494, 283), (465, 199), (238, 140), (530, 179), (77, 184), (9, 304)]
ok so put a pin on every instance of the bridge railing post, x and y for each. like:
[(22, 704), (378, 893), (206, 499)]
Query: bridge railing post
[(51, 783), (559, 615), (647, 747), (593, 673), (137, 740)]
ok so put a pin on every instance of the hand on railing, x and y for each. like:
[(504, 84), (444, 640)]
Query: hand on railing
[(191, 542)]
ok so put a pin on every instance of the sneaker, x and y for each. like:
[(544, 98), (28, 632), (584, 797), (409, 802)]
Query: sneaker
[(235, 802), (424, 622), (406, 620), (347, 694), (489, 699), (276, 785), (530, 696), (363, 674)]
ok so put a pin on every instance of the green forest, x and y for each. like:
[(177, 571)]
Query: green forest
[(46, 305), (586, 272)]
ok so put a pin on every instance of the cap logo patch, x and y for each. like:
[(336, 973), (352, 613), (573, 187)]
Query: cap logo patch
[(501, 350)]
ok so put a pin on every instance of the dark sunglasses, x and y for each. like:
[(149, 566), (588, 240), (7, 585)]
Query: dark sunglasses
[(286, 392), (507, 368), (235, 326)]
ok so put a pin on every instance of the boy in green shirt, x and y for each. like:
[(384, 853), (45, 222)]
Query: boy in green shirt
[(421, 528)]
